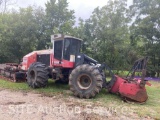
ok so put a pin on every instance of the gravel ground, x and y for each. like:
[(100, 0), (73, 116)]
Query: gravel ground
[(27, 105)]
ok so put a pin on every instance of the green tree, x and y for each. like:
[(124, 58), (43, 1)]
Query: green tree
[(108, 31), (59, 18), (146, 27), (18, 35), (28, 29), (83, 31)]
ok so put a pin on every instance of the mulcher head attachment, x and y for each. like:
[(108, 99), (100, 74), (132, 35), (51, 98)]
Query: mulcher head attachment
[(130, 88)]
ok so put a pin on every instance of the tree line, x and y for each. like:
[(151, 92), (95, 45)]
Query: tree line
[(116, 33)]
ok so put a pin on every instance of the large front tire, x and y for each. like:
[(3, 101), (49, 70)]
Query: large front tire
[(37, 75), (85, 81)]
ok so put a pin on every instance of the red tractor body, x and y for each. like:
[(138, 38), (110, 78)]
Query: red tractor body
[(34, 57), (62, 55)]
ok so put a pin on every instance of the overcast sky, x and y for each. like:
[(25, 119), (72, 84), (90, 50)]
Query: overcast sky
[(82, 8)]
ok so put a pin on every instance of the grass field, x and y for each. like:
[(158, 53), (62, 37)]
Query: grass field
[(151, 109)]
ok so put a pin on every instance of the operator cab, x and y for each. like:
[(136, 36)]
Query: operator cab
[(65, 48)]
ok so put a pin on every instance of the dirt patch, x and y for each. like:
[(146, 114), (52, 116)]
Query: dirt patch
[(15, 103), (22, 105)]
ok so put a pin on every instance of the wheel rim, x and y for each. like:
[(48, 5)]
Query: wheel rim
[(84, 81), (32, 74)]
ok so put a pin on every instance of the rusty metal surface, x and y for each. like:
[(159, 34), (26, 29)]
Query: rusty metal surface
[(12, 79), (5, 78), (9, 73), (133, 91), (140, 97)]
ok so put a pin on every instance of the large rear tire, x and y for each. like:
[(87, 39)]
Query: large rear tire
[(85, 81), (37, 75)]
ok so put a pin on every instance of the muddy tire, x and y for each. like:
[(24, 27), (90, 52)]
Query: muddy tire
[(37, 75), (85, 81)]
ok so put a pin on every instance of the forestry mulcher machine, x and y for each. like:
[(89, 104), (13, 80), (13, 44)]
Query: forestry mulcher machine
[(86, 77)]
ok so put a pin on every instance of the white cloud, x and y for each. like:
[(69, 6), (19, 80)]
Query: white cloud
[(82, 8)]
